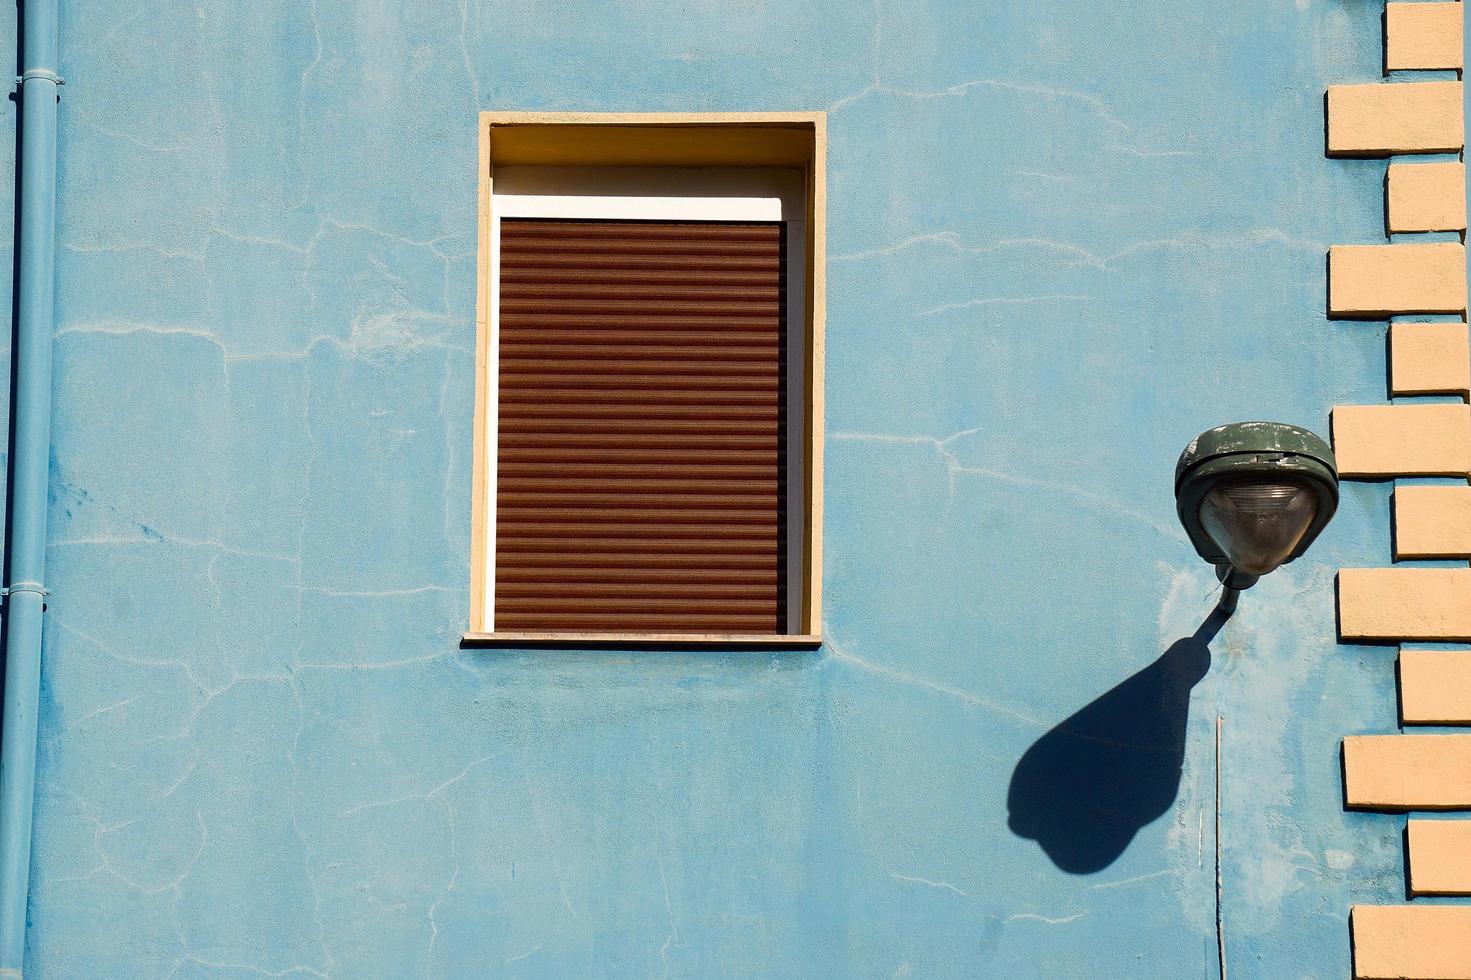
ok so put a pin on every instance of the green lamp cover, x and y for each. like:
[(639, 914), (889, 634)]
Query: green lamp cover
[(1255, 495)]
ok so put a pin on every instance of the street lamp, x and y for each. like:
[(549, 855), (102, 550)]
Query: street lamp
[(1253, 496)]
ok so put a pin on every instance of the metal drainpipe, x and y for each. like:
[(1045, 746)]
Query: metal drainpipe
[(30, 465)]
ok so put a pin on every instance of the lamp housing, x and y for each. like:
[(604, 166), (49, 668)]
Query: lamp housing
[(1265, 489)]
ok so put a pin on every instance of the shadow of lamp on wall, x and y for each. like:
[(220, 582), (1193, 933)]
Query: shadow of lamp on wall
[(1252, 496)]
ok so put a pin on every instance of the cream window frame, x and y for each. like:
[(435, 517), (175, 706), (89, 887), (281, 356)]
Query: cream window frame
[(569, 149)]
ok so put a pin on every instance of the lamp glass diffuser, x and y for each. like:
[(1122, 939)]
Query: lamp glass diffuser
[(1258, 524)]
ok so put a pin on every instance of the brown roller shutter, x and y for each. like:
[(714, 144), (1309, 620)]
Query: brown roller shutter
[(641, 472)]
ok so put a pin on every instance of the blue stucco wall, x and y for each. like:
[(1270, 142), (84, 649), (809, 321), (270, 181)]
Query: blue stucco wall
[(1064, 238)]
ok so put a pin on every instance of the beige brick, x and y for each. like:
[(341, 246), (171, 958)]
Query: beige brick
[(1389, 604), (1402, 440), (1422, 35), (1412, 942), (1435, 687), (1381, 118), (1376, 280), (1429, 359), (1407, 772), (1440, 857), (1427, 196), (1432, 522)]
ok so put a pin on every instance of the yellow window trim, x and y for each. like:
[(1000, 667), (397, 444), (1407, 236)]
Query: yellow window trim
[(717, 139)]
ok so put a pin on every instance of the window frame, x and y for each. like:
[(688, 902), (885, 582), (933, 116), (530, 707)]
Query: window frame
[(571, 142), (739, 194)]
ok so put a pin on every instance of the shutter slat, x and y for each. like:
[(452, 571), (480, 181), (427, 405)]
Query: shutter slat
[(519, 354), (682, 277), (576, 572), (648, 530), (748, 523), (571, 380), (543, 290), (737, 368), (536, 590), (641, 492), (574, 456), (634, 440), (641, 471), (676, 232), (725, 305), (624, 498), (635, 262), (633, 556), (694, 606), (520, 252), (597, 539), (573, 412), (545, 339), (653, 317), (724, 422), (596, 400)]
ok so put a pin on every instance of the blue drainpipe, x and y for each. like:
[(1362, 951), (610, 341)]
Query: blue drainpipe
[(30, 464)]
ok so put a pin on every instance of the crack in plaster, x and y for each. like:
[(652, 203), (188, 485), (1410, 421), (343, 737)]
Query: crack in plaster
[(673, 926), (929, 884), (1088, 100), (834, 652), (517, 959), (431, 794), (434, 909), (1105, 885), (292, 810), (1004, 301), (118, 329), (368, 329), (381, 665), (106, 866), (1045, 920), (551, 849), (962, 89), (183, 665), (1039, 175), (216, 965), (102, 711), (379, 593), (157, 538), (956, 467), (447, 498), (302, 129), (168, 253), (470, 74), (1084, 257)]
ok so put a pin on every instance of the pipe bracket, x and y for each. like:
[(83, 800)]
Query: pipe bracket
[(45, 74), (35, 587)]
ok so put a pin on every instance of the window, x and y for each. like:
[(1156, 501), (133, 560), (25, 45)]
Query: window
[(648, 450)]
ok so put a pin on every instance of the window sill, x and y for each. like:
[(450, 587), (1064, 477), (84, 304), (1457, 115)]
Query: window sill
[(636, 641)]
